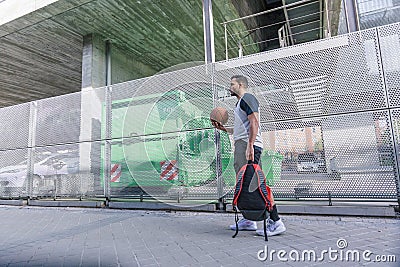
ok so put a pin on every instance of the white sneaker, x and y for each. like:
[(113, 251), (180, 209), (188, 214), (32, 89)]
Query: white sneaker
[(244, 224), (273, 228)]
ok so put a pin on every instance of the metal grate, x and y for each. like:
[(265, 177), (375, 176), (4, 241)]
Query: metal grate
[(58, 119), (389, 42), (302, 92), (14, 132), (13, 173), (329, 117), (57, 172)]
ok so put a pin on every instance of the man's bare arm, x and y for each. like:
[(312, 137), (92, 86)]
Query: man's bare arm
[(219, 126)]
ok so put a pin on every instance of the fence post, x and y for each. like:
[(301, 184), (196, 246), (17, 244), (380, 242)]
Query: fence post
[(390, 120), (396, 157), (107, 144), (218, 152), (31, 148), (108, 121), (208, 28)]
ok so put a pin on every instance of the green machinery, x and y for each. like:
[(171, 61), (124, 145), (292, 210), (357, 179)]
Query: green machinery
[(167, 140)]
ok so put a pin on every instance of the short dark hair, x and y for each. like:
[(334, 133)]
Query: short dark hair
[(241, 79)]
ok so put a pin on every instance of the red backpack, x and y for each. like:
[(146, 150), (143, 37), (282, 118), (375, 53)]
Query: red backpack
[(253, 198)]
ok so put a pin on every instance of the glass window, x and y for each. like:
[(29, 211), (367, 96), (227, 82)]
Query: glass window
[(365, 6), (373, 13)]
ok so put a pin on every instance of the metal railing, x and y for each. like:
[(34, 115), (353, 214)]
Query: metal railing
[(246, 39)]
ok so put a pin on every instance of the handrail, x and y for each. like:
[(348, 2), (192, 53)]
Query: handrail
[(267, 11), (285, 8)]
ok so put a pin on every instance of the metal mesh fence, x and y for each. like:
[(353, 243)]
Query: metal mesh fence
[(163, 142), (14, 130), (58, 120), (329, 119), (13, 173), (389, 43), (395, 123), (57, 172)]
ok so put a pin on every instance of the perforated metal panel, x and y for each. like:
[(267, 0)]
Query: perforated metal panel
[(92, 117), (302, 90), (168, 165), (121, 97), (58, 171), (372, 13), (165, 102), (14, 130), (13, 173), (389, 42), (352, 153), (158, 118), (395, 116), (329, 118), (70, 118), (58, 119), (337, 75)]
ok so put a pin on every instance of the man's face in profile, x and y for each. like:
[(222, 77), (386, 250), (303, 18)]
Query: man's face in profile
[(234, 88)]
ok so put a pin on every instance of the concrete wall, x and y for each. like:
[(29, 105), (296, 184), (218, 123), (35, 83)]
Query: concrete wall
[(124, 66)]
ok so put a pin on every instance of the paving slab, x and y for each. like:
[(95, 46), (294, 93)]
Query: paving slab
[(59, 236)]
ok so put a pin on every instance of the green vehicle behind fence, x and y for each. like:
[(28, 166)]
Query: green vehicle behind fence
[(167, 141)]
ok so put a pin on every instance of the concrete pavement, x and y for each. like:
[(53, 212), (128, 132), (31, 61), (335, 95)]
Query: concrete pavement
[(43, 236)]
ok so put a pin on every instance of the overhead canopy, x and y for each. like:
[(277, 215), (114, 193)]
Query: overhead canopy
[(41, 52)]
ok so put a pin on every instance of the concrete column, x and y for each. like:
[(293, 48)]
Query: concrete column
[(93, 76), (93, 62)]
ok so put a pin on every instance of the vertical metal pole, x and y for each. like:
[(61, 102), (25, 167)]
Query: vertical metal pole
[(351, 15), (280, 37), (290, 35), (31, 148), (357, 15), (395, 150), (108, 63), (328, 23), (108, 122), (240, 49), (396, 156), (218, 150), (226, 41), (208, 31)]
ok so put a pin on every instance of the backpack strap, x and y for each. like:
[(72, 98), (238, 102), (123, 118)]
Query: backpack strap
[(236, 222), (238, 189), (239, 183), (265, 226), (265, 190)]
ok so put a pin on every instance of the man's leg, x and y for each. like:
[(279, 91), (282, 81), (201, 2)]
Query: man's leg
[(239, 155)]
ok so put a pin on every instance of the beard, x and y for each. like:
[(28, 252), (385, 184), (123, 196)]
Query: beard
[(233, 93)]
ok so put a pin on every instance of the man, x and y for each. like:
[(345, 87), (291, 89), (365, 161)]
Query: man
[(248, 146)]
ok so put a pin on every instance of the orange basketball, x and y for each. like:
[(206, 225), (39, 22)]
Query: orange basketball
[(219, 114)]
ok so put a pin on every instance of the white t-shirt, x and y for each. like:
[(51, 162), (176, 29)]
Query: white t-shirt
[(246, 105)]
